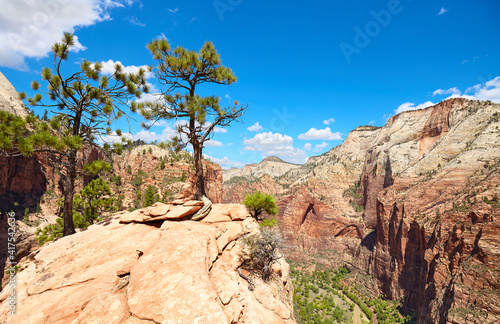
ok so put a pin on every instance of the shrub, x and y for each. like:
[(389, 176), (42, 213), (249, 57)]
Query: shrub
[(258, 202), (269, 222), (262, 251)]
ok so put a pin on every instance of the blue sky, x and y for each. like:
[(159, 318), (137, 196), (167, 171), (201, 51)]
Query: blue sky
[(310, 71)]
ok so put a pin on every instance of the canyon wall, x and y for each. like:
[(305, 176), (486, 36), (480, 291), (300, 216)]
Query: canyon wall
[(414, 203)]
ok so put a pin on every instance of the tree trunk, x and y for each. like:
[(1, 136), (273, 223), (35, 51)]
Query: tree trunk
[(200, 184), (69, 191)]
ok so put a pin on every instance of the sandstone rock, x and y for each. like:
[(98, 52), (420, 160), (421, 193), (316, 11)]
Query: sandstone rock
[(160, 211), (182, 272), (225, 212)]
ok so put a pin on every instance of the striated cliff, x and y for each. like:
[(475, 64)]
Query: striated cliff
[(414, 203), (149, 267)]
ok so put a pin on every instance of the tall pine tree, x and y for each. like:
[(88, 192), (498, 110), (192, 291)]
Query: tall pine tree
[(181, 72), (84, 104)]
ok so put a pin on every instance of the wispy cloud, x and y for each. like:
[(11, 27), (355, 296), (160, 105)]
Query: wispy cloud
[(225, 163), (328, 121), (452, 91), (135, 21), (173, 10), (442, 11), (411, 106), (320, 147)]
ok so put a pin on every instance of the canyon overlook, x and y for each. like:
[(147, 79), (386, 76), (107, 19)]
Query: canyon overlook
[(413, 203)]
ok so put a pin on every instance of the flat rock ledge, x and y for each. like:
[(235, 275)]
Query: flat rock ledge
[(182, 209), (123, 270)]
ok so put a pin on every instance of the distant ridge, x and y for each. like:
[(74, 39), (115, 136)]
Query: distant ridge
[(273, 159)]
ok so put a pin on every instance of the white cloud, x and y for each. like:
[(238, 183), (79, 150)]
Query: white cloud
[(452, 91), (108, 67), (255, 127), (411, 106), (227, 96), (328, 121), (320, 147), (145, 135), (213, 143), (78, 46), (371, 123), (441, 11), (29, 28), (266, 139), (219, 130), (225, 163), (487, 91), (307, 146), (173, 10), (316, 134), (275, 144)]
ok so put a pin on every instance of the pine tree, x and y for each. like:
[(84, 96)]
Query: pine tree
[(84, 105), (181, 72), (257, 203)]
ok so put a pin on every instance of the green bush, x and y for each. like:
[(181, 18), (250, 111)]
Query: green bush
[(269, 222), (257, 203)]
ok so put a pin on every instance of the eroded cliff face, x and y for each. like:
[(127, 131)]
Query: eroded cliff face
[(423, 192), (176, 178), (151, 269)]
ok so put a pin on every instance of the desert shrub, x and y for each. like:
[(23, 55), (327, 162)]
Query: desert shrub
[(262, 251), (257, 203)]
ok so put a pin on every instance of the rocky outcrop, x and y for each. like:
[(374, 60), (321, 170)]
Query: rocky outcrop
[(424, 188), (176, 178), (144, 271), (9, 98)]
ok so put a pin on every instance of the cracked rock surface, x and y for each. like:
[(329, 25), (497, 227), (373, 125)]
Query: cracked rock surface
[(150, 272)]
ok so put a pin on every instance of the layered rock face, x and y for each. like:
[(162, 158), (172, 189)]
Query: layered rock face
[(151, 270), (423, 192), (176, 178)]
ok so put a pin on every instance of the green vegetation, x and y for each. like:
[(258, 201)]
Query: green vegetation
[(325, 295), (84, 103), (269, 222), (181, 71), (494, 201), (257, 203), (351, 192), (88, 204), (357, 207), (150, 196), (317, 298)]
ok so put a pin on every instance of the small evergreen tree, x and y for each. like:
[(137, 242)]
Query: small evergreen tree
[(150, 196), (257, 203)]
